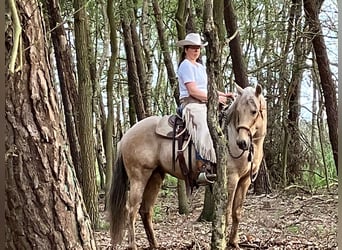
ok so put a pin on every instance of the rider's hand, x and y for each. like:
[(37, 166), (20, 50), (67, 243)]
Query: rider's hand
[(223, 100), (230, 95)]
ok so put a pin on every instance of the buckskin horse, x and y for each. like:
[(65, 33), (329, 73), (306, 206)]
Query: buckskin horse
[(144, 157)]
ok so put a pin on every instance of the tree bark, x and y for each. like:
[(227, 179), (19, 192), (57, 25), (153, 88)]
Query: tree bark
[(145, 87), (312, 8), (294, 160), (207, 213), (67, 80), (218, 238), (146, 33), (239, 67), (180, 21), (135, 94), (85, 91), (165, 50), (110, 95), (44, 206)]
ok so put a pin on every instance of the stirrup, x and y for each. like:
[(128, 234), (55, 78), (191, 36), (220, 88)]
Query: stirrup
[(205, 179)]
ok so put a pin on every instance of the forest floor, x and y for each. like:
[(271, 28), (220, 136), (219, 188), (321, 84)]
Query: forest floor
[(290, 219)]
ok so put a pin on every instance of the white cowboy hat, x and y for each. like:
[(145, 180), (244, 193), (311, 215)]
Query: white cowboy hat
[(192, 39)]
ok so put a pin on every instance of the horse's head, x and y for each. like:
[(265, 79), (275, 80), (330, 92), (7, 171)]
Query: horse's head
[(250, 115)]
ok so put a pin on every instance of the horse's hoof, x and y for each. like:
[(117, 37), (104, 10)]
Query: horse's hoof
[(206, 179)]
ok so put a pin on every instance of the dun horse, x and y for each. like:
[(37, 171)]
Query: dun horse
[(144, 157)]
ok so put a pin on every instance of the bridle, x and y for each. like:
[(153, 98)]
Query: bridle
[(251, 138)]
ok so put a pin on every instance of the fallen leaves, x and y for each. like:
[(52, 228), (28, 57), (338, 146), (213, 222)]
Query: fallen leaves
[(280, 221)]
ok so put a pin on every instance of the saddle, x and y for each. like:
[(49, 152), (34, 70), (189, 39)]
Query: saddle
[(168, 123), (173, 127)]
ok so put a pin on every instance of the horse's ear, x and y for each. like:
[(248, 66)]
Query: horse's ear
[(258, 90), (239, 89)]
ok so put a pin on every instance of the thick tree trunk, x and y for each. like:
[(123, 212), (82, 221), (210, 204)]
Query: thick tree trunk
[(85, 92), (44, 206), (329, 89)]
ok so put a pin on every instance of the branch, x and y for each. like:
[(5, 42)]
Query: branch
[(16, 38), (229, 39)]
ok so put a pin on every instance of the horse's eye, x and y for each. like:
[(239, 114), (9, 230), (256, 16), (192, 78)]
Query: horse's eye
[(253, 112)]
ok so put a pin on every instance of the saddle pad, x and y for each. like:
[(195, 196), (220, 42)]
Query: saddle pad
[(163, 128)]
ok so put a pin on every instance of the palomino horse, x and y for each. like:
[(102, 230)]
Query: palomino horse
[(144, 157)]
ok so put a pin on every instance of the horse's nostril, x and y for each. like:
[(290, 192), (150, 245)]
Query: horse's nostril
[(242, 144)]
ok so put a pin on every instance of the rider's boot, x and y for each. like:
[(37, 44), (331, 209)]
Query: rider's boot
[(207, 174)]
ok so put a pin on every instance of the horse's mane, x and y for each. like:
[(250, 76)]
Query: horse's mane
[(228, 115)]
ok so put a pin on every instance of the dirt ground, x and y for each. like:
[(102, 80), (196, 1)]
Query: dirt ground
[(290, 219)]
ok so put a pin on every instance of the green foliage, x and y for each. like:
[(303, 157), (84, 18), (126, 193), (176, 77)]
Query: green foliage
[(104, 225), (170, 181), (293, 229), (314, 176), (169, 185), (157, 213), (320, 229)]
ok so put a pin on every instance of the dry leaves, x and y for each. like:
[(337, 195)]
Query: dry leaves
[(277, 221)]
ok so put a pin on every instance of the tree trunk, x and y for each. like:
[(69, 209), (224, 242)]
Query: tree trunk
[(145, 87), (294, 160), (239, 66), (85, 92), (110, 95), (329, 88), (146, 33), (314, 123), (207, 213), (67, 80), (183, 200), (218, 238), (165, 50), (44, 205), (180, 22), (135, 95)]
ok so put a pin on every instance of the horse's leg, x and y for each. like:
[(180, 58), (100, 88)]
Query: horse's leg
[(137, 187), (232, 184), (239, 198), (146, 208)]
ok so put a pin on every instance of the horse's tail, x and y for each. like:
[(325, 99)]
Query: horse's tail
[(116, 200)]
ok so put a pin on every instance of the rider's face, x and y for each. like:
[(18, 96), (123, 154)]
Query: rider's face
[(193, 52)]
